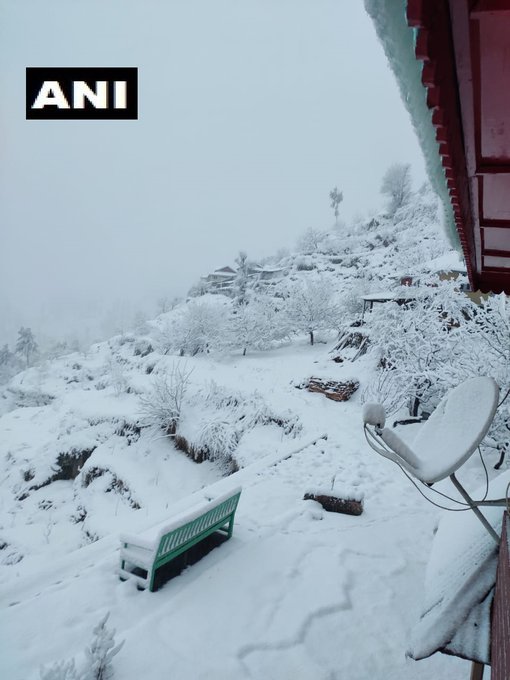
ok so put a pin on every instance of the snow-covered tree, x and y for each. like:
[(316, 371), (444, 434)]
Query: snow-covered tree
[(26, 345), (426, 344), (101, 652), (311, 241), (242, 279), (311, 306), (5, 355), (166, 304), (396, 184), (245, 326), (9, 364), (200, 328), (336, 197), (491, 348), (198, 289), (255, 325), (139, 323)]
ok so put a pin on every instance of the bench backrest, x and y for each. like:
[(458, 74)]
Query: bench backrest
[(197, 526)]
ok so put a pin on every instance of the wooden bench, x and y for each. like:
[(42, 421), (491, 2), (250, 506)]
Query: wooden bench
[(142, 555)]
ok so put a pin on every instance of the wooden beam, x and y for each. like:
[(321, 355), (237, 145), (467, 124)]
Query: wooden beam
[(493, 6), (476, 671), (500, 625)]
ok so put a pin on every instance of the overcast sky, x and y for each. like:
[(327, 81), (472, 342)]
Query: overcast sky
[(250, 111)]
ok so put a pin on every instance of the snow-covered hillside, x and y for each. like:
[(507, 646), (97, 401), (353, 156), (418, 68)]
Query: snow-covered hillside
[(90, 448)]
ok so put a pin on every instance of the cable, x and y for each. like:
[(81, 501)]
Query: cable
[(486, 475), (384, 451), (442, 507), (504, 399)]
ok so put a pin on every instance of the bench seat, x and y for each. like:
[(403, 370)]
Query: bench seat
[(143, 554)]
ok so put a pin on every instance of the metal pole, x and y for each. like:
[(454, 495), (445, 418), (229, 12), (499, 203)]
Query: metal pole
[(476, 671), (473, 507)]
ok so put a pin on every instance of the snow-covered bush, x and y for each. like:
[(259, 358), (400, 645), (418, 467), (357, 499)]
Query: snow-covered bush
[(219, 437), (98, 658), (386, 388), (217, 419), (60, 670), (117, 377), (351, 302), (162, 406), (101, 652)]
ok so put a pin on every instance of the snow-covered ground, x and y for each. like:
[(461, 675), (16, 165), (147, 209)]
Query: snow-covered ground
[(296, 593)]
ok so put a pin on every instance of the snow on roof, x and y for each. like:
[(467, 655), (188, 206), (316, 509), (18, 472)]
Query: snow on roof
[(272, 269), (397, 38), (460, 573), (448, 262), (389, 295), (224, 270)]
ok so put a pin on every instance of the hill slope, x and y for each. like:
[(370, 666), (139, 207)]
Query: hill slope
[(297, 592)]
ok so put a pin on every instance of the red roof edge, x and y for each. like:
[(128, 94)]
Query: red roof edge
[(434, 46)]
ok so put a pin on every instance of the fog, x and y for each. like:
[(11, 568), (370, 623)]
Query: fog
[(250, 112)]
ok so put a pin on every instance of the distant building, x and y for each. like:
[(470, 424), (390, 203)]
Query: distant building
[(220, 280)]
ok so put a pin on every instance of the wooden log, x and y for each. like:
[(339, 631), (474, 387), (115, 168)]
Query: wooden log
[(345, 506)]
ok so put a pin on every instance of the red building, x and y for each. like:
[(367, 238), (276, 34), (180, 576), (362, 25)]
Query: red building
[(458, 94)]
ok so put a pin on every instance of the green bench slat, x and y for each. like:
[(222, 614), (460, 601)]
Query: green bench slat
[(177, 541)]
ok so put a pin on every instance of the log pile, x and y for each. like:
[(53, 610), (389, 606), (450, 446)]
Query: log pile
[(338, 391)]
